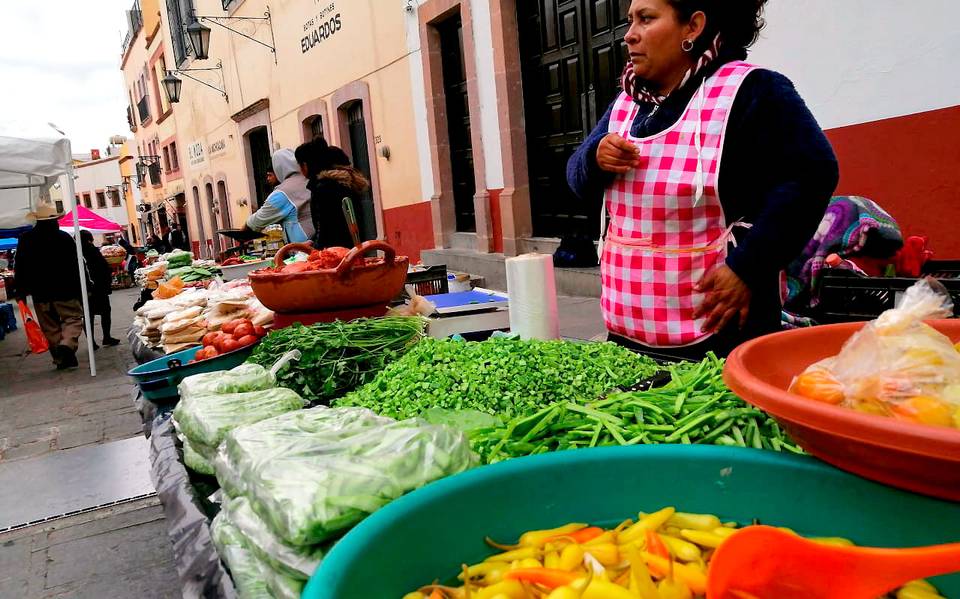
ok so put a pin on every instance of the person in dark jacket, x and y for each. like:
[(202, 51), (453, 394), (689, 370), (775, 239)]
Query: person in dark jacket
[(47, 270), (332, 179), (100, 286), (692, 119), (176, 239)]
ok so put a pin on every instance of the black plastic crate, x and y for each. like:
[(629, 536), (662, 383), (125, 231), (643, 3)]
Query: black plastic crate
[(431, 281), (846, 297), (942, 269)]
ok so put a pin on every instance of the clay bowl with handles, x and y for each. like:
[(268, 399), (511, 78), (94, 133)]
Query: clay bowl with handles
[(352, 283)]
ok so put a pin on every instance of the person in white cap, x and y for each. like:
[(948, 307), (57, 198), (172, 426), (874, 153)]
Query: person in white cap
[(47, 270)]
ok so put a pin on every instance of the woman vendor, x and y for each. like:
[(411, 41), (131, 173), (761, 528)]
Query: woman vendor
[(714, 175)]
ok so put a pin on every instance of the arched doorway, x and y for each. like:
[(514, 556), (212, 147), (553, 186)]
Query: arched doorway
[(211, 207), (201, 234)]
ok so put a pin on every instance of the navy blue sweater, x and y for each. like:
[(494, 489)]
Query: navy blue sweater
[(778, 172)]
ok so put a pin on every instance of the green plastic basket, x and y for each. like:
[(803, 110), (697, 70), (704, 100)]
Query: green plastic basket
[(158, 379), (429, 533)]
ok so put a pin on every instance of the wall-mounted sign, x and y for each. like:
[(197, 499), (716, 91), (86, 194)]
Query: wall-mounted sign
[(320, 28), (217, 148), (195, 154)]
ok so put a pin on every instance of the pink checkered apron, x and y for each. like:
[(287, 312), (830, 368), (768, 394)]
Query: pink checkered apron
[(667, 228)]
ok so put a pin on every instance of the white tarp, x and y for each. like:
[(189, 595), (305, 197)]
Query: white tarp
[(31, 161)]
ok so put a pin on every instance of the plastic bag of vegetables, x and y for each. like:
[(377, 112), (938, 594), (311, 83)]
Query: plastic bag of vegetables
[(243, 378), (314, 473), (248, 573), (194, 460), (895, 366), (205, 419), (292, 562)]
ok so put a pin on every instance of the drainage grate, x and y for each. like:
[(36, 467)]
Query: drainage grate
[(86, 510)]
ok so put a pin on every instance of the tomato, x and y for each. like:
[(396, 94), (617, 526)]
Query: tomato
[(229, 326), (210, 339), (223, 338), (259, 331), (205, 353), (242, 330), (247, 340), (229, 345)]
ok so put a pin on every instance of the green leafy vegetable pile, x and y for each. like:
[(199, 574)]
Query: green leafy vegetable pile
[(504, 376), (695, 406), (338, 356)]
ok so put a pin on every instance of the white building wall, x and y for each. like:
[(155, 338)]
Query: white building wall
[(856, 61), (100, 176)]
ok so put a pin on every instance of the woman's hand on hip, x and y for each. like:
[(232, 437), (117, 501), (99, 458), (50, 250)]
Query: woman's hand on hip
[(617, 155), (727, 298)]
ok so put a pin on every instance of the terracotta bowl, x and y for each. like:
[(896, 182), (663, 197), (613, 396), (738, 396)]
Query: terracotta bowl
[(352, 283), (923, 459)]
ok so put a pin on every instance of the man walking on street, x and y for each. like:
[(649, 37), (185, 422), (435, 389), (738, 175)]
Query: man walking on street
[(47, 270), (176, 238)]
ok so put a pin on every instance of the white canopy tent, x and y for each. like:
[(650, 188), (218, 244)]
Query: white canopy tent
[(30, 163)]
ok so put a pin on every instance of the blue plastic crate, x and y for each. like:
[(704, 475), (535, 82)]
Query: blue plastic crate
[(158, 380)]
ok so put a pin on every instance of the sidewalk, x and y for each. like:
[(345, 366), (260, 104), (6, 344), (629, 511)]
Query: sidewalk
[(121, 551)]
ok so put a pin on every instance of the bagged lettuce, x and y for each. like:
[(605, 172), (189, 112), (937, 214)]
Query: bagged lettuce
[(292, 562), (243, 378), (312, 474), (205, 419), (248, 573), (195, 461), (896, 366)]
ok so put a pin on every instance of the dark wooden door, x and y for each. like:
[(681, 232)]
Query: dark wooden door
[(572, 54), (366, 213), (262, 162), (458, 122)]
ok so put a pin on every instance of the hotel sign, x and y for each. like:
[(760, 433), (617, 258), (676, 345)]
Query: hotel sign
[(195, 154)]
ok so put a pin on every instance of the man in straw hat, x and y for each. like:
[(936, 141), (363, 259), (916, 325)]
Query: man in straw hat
[(47, 270)]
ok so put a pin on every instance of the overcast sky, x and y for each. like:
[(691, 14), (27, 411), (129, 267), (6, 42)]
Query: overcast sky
[(60, 63)]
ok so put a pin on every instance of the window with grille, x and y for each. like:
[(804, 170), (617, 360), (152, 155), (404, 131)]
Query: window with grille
[(114, 198), (166, 159), (316, 127), (101, 200), (174, 159), (59, 204), (86, 200)]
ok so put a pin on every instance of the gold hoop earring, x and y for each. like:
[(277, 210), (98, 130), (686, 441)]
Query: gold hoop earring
[(687, 46)]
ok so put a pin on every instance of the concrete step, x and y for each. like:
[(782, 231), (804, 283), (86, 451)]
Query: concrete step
[(579, 282)]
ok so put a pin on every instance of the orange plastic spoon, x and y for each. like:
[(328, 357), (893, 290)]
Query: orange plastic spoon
[(761, 562)]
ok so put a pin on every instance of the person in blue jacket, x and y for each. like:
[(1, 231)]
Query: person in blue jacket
[(288, 204), (714, 175)]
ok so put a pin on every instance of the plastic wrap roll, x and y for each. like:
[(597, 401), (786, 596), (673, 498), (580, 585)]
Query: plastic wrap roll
[(533, 297)]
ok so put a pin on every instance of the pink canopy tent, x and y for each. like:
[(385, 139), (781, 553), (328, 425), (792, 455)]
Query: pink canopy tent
[(90, 221)]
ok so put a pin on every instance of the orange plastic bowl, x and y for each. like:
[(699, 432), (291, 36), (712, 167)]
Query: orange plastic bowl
[(923, 459), (351, 284)]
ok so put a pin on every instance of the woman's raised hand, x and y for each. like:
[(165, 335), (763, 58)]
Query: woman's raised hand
[(617, 155)]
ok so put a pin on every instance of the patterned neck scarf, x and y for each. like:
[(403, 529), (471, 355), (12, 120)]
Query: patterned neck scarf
[(637, 88)]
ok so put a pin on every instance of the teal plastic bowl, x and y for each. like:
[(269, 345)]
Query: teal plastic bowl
[(429, 533), (158, 379)]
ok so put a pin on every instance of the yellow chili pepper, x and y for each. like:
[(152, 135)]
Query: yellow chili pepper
[(914, 592), (509, 588), (681, 549), (516, 554), (673, 589), (537, 538), (688, 574), (571, 558), (648, 522), (601, 589), (921, 584), (640, 581), (564, 593), (607, 537), (694, 521), (482, 569), (551, 558), (607, 554), (834, 541), (724, 531), (415, 595), (530, 563), (704, 539)]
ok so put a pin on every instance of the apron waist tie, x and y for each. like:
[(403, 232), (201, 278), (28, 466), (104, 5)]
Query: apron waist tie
[(645, 243)]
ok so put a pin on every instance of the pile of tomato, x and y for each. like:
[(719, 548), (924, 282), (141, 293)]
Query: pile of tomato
[(231, 336)]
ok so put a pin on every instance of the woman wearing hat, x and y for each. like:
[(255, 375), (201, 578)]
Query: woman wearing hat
[(47, 270), (714, 175)]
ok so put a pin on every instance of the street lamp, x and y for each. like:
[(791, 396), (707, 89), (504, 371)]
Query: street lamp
[(172, 85), (199, 35)]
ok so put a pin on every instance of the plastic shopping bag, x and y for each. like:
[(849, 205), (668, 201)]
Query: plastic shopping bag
[(896, 366), (35, 337)]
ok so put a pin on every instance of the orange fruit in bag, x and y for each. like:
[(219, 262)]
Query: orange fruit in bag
[(820, 385), (924, 409)]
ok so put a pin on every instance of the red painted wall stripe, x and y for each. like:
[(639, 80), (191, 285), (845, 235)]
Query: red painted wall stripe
[(910, 165), (409, 229)]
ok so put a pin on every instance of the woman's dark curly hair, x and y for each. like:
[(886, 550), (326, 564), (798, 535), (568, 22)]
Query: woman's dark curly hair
[(738, 21)]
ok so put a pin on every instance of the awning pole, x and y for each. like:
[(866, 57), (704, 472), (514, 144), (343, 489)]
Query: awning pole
[(71, 194)]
